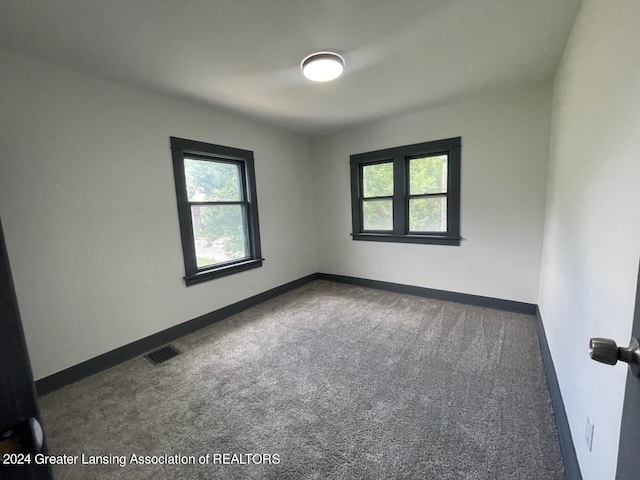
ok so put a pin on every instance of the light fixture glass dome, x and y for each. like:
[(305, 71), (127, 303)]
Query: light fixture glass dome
[(323, 66)]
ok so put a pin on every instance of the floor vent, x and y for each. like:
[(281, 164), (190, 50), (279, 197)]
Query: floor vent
[(162, 354)]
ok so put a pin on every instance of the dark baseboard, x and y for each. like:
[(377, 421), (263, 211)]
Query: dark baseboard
[(114, 357), (465, 298), (571, 464)]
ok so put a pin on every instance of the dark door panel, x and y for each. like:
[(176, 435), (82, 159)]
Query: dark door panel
[(629, 450), (20, 434)]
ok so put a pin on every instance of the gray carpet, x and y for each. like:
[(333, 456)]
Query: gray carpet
[(340, 382)]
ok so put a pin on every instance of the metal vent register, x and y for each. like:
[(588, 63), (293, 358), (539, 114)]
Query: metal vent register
[(162, 354)]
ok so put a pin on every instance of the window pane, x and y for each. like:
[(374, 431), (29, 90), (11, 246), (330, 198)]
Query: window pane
[(377, 214), (219, 233), (428, 175), (377, 180), (209, 181), (428, 214)]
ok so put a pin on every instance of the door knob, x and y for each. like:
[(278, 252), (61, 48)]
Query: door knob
[(24, 437), (605, 350)]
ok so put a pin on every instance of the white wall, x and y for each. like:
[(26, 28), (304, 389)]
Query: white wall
[(89, 210), (504, 155), (591, 247)]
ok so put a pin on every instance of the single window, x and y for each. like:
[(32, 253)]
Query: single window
[(408, 194), (217, 209)]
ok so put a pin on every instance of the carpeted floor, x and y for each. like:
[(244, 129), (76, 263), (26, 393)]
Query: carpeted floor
[(336, 382)]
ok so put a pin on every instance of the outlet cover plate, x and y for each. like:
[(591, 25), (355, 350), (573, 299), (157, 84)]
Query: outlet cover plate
[(588, 433)]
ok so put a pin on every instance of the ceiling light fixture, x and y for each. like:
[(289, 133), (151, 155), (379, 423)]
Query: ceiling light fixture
[(322, 66)]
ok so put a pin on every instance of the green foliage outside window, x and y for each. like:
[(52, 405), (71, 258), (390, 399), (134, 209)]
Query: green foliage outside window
[(426, 175), (217, 181), (377, 181)]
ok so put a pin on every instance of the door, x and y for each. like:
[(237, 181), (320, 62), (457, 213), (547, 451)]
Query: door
[(629, 451), (20, 434)]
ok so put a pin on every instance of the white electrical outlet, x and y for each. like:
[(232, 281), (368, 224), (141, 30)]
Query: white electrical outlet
[(338, 263), (588, 433)]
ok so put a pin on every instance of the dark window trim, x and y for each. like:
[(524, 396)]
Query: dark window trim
[(400, 157), (182, 148)]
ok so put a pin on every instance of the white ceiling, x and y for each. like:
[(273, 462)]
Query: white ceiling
[(244, 55)]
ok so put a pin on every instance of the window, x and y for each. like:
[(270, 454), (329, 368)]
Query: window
[(408, 194), (217, 209)]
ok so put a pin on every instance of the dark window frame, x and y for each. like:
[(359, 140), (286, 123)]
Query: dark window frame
[(400, 157), (182, 149)]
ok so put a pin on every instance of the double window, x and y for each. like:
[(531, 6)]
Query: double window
[(408, 194), (217, 209)]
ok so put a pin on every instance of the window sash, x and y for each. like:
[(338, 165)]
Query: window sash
[(245, 210), (187, 149), (401, 158), (246, 235), (428, 232), (402, 196), (372, 164), (411, 158), (376, 199)]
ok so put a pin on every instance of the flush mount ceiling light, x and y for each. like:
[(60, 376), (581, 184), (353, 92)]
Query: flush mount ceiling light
[(322, 66)]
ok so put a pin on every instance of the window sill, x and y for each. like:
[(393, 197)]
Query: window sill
[(424, 239), (222, 271)]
